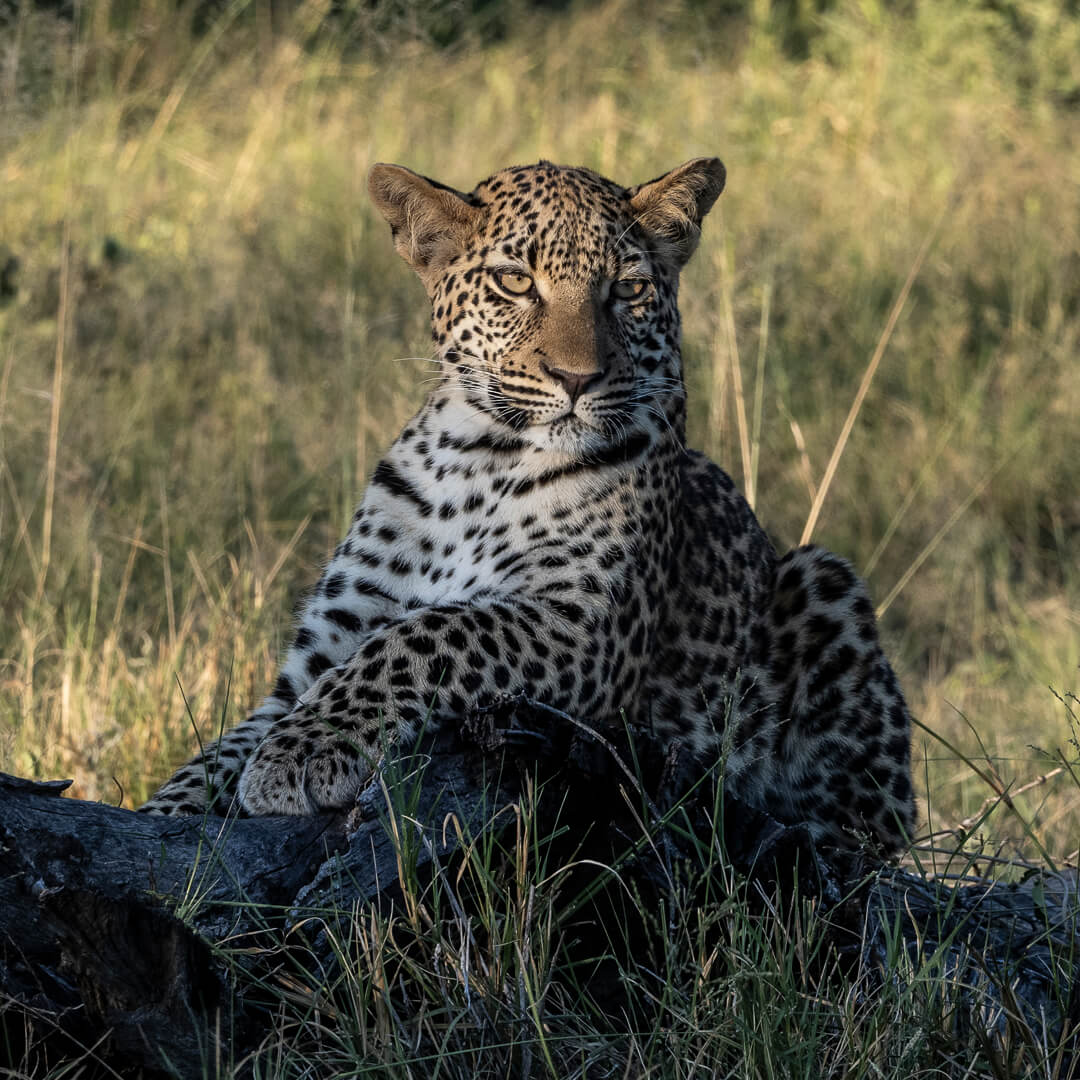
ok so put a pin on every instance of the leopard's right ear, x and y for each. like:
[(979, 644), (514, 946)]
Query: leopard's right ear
[(430, 223)]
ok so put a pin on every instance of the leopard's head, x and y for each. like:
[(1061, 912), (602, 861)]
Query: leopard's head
[(553, 293)]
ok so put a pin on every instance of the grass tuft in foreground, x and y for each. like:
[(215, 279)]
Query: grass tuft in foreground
[(523, 954)]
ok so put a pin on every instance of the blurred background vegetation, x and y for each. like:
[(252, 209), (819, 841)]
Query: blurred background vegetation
[(206, 339)]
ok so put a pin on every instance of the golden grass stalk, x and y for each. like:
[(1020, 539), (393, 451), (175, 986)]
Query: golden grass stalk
[(759, 391), (868, 378), (54, 413), (736, 369)]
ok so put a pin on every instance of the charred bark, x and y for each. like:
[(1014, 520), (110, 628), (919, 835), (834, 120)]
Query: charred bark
[(108, 917)]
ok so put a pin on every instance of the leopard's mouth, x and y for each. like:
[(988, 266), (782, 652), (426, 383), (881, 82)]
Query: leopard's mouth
[(576, 430), (590, 429)]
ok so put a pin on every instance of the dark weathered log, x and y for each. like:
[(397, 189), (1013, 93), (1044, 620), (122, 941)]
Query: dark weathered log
[(106, 915), (108, 918)]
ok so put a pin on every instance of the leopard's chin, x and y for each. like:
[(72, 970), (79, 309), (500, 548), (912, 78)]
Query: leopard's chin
[(574, 436)]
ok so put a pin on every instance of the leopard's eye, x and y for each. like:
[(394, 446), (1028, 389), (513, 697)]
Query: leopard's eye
[(629, 288), (514, 283)]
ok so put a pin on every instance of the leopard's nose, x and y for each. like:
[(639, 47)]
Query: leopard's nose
[(575, 383)]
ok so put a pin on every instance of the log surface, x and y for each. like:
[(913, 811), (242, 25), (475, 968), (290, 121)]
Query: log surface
[(109, 918)]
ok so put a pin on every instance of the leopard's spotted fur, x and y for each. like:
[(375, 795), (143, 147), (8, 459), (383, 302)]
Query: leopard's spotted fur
[(538, 528)]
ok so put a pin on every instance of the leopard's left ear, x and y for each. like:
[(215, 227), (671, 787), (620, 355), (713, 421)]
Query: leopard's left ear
[(430, 222), (671, 207)]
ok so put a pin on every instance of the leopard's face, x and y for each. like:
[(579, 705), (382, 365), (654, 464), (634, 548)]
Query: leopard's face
[(557, 322), (553, 295)]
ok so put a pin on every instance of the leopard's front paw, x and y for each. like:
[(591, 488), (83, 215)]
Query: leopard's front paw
[(292, 773)]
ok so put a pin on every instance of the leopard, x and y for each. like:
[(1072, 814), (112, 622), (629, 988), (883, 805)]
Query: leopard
[(541, 530)]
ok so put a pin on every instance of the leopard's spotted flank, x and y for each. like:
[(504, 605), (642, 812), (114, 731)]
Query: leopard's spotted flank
[(539, 528)]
